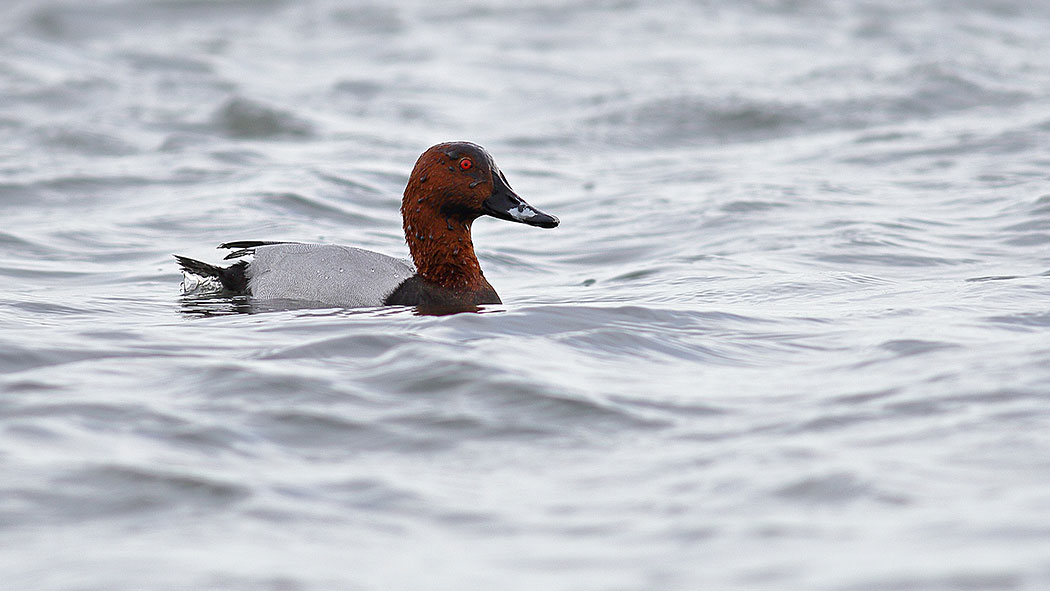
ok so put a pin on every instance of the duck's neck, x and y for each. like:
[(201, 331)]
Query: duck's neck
[(442, 249)]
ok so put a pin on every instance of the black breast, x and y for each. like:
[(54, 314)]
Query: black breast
[(414, 291)]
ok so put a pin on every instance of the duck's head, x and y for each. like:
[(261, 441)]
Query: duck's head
[(460, 181)]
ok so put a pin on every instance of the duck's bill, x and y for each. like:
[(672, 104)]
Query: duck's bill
[(505, 204)]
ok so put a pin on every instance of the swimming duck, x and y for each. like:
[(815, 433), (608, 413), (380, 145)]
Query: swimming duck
[(451, 185)]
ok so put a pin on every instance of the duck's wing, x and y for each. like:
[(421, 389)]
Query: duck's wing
[(247, 247), (327, 274)]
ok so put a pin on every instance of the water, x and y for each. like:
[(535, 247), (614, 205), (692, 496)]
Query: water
[(791, 334)]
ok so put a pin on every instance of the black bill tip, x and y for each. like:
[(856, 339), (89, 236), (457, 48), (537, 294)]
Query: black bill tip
[(505, 204)]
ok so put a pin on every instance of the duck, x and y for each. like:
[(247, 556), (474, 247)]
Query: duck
[(451, 185)]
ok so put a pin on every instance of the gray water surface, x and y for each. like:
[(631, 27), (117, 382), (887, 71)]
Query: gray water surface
[(793, 332)]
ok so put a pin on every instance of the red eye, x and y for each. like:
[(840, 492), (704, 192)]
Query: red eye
[(466, 163)]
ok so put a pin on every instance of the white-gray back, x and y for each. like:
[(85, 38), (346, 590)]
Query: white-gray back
[(327, 274)]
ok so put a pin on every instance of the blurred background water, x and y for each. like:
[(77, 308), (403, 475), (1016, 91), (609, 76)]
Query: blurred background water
[(792, 333)]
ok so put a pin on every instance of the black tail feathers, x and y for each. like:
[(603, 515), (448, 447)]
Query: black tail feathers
[(198, 268), (232, 277)]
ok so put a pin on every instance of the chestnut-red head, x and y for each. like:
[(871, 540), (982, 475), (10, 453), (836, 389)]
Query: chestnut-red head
[(451, 185), (461, 181)]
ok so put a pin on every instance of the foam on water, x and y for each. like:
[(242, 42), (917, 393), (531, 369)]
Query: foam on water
[(790, 334)]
